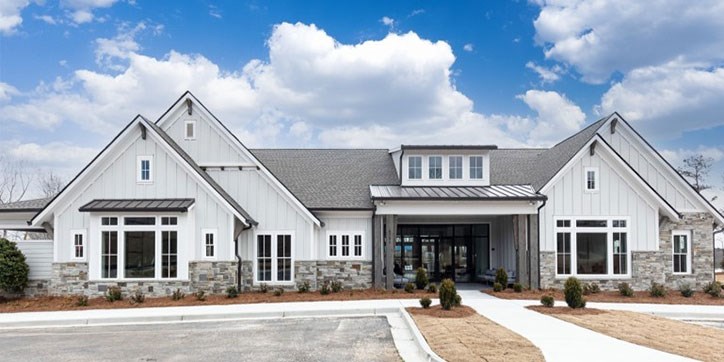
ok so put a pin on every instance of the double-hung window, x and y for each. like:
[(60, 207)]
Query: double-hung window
[(592, 247), (591, 179), (476, 167), (455, 167), (78, 239), (274, 258), (145, 170), (345, 245), (414, 167), (209, 245), (435, 167), (109, 247), (169, 247), (682, 251)]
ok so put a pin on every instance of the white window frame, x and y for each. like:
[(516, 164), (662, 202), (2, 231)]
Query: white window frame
[(274, 258), (409, 167), (442, 167), (83, 245), (596, 179), (351, 234), (482, 167), (193, 127), (688, 235), (609, 230), (139, 171), (449, 167), (213, 233)]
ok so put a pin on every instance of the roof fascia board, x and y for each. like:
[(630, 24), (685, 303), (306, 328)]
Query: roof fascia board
[(240, 146)]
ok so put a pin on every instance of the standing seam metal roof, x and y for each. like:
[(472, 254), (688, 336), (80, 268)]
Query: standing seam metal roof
[(494, 192)]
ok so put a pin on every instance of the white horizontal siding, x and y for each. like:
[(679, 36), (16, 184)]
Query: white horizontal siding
[(39, 257)]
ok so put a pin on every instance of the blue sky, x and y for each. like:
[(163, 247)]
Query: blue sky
[(361, 74)]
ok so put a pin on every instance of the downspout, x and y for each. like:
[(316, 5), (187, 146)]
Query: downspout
[(402, 153), (539, 208), (374, 261), (238, 258)]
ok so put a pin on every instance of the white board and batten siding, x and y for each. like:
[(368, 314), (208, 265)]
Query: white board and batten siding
[(616, 197), (39, 257), (345, 222)]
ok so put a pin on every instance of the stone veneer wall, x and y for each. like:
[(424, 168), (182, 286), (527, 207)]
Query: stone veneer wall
[(35, 288), (656, 266), (212, 276), (352, 274)]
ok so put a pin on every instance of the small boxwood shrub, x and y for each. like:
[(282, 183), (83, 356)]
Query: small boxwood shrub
[(425, 302), (447, 294), (713, 289), (81, 301), (574, 293), (232, 292), (657, 290), (178, 294), (303, 287), (113, 294), (278, 292), (518, 288), (137, 297), (458, 300), (685, 290), (13, 268), (625, 289), (591, 288), (263, 287), (200, 295), (501, 277), (497, 287), (336, 286), (324, 289), (432, 288), (547, 301), (421, 278), (410, 288)]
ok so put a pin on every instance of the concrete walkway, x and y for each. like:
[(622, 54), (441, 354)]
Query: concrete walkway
[(558, 340)]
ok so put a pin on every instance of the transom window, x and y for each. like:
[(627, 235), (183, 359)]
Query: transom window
[(682, 251), (456, 167), (343, 245), (592, 247), (435, 167), (145, 169), (591, 178), (274, 259), (414, 167), (476, 167)]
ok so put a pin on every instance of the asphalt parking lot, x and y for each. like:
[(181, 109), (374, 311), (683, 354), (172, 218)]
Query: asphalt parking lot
[(313, 339)]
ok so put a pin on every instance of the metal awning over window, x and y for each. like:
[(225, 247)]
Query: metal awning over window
[(156, 205)]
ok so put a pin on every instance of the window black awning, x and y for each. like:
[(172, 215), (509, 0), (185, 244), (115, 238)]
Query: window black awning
[(168, 205)]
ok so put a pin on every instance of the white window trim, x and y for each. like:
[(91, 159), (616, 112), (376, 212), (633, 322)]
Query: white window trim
[(186, 135), (609, 230), (442, 167), (462, 167), (205, 232), (596, 179), (83, 234), (351, 234), (274, 258), (422, 175), (139, 159), (482, 167), (688, 235)]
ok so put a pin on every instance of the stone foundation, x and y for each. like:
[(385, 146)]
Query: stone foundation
[(656, 266), (352, 274), (212, 276)]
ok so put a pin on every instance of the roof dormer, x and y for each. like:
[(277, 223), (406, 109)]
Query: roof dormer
[(428, 165)]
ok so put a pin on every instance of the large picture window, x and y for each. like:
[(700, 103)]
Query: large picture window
[(345, 244), (592, 247), (274, 257)]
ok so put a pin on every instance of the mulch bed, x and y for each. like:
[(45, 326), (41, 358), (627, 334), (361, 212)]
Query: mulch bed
[(565, 310), (673, 297), (437, 311), (69, 303)]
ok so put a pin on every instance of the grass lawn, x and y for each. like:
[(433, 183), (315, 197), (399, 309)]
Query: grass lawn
[(463, 335), (673, 297), (69, 303), (684, 339)]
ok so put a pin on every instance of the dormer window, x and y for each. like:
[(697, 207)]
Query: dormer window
[(414, 167), (190, 130), (476, 167), (456, 167), (591, 179), (435, 167)]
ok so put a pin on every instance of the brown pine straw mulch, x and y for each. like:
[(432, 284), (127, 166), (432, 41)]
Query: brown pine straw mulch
[(463, 335), (69, 303), (672, 297), (663, 334)]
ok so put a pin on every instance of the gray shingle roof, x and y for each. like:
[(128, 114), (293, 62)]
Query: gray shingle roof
[(330, 178), (26, 205)]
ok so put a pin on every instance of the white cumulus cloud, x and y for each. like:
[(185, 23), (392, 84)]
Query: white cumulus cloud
[(556, 115), (10, 17)]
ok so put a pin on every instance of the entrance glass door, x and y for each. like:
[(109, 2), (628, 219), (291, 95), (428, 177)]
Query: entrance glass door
[(429, 256), (447, 269)]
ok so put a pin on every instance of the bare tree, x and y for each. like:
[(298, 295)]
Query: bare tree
[(696, 168), (15, 180), (50, 184)]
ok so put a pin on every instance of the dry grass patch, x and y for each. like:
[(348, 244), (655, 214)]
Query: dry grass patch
[(720, 277), (472, 337), (673, 297), (684, 339)]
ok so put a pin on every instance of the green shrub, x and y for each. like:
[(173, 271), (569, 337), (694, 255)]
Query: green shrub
[(501, 277), (518, 288), (497, 287), (432, 288), (137, 297), (458, 300), (324, 289), (232, 292), (278, 292), (425, 302), (421, 278), (574, 293), (713, 289), (303, 287), (591, 288), (657, 290), (200, 295), (447, 294), (547, 301), (263, 288), (685, 290), (410, 288), (178, 294), (81, 301), (113, 294), (336, 286), (13, 268), (625, 290)]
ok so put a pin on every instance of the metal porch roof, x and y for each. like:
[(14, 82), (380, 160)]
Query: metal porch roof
[(170, 205), (493, 192)]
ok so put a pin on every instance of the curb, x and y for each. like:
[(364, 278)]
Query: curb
[(418, 337)]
